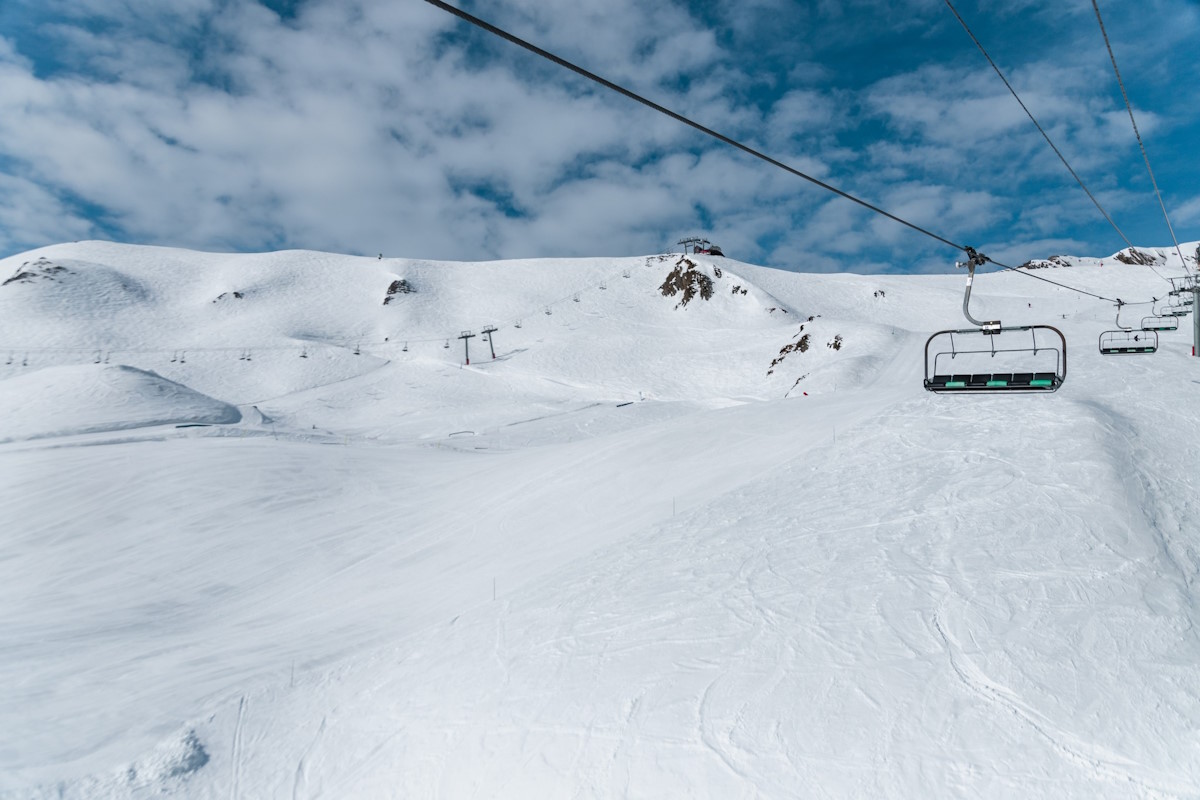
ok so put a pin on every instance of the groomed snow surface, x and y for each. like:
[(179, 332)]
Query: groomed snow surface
[(263, 535)]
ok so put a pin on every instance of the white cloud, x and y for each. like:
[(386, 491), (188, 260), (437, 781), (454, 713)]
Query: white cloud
[(372, 125), (37, 214), (1187, 212)]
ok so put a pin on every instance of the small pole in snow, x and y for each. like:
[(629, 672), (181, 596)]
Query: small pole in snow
[(489, 330), (466, 337)]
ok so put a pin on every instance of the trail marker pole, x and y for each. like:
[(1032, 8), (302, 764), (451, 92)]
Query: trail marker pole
[(489, 330), (466, 337)]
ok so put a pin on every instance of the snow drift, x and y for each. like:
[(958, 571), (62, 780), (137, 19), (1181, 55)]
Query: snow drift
[(61, 401)]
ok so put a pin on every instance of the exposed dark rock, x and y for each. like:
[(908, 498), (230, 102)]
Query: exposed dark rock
[(687, 281), (42, 269), (398, 286), (799, 346), (1135, 256)]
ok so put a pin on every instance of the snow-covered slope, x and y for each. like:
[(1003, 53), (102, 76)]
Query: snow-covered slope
[(60, 401), (626, 557)]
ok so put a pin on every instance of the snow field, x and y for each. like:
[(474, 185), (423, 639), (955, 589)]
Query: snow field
[(710, 592)]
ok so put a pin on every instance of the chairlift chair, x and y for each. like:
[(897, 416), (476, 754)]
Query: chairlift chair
[(1028, 358), (1175, 307), (1127, 341), (1158, 323), (1124, 343), (1169, 311)]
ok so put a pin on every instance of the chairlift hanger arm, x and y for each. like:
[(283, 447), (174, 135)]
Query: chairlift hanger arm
[(1119, 325), (974, 260)]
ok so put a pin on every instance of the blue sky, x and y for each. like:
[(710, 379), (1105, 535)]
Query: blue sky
[(367, 126)]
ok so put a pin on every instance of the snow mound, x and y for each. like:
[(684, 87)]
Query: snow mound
[(165, 770), (61, 401)]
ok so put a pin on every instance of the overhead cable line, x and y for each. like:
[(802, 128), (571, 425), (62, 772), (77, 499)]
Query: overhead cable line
[(1038, 125), (1042, 130), (679, 117), (1137, 133), (562, 62), (1028, 274)]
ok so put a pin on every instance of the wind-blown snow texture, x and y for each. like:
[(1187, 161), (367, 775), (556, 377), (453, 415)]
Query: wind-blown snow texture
[(264, 535)]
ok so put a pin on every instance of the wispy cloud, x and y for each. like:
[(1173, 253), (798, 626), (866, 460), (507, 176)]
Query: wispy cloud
[(381, 126)]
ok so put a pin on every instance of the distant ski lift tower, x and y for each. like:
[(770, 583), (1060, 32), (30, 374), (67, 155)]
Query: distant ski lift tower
[(701, 246), (1190, 284), (467, 336), (488, 331)]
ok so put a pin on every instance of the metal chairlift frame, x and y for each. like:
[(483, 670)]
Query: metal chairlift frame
[(1179, 300), (1161, 310), (1157, 323), (943, 382), (1127, 340)]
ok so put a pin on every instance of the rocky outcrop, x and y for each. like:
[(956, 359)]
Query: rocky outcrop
[(398, 286), (687, 282), (42, 269)]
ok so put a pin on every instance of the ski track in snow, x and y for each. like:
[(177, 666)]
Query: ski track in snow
[(866, 591)]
